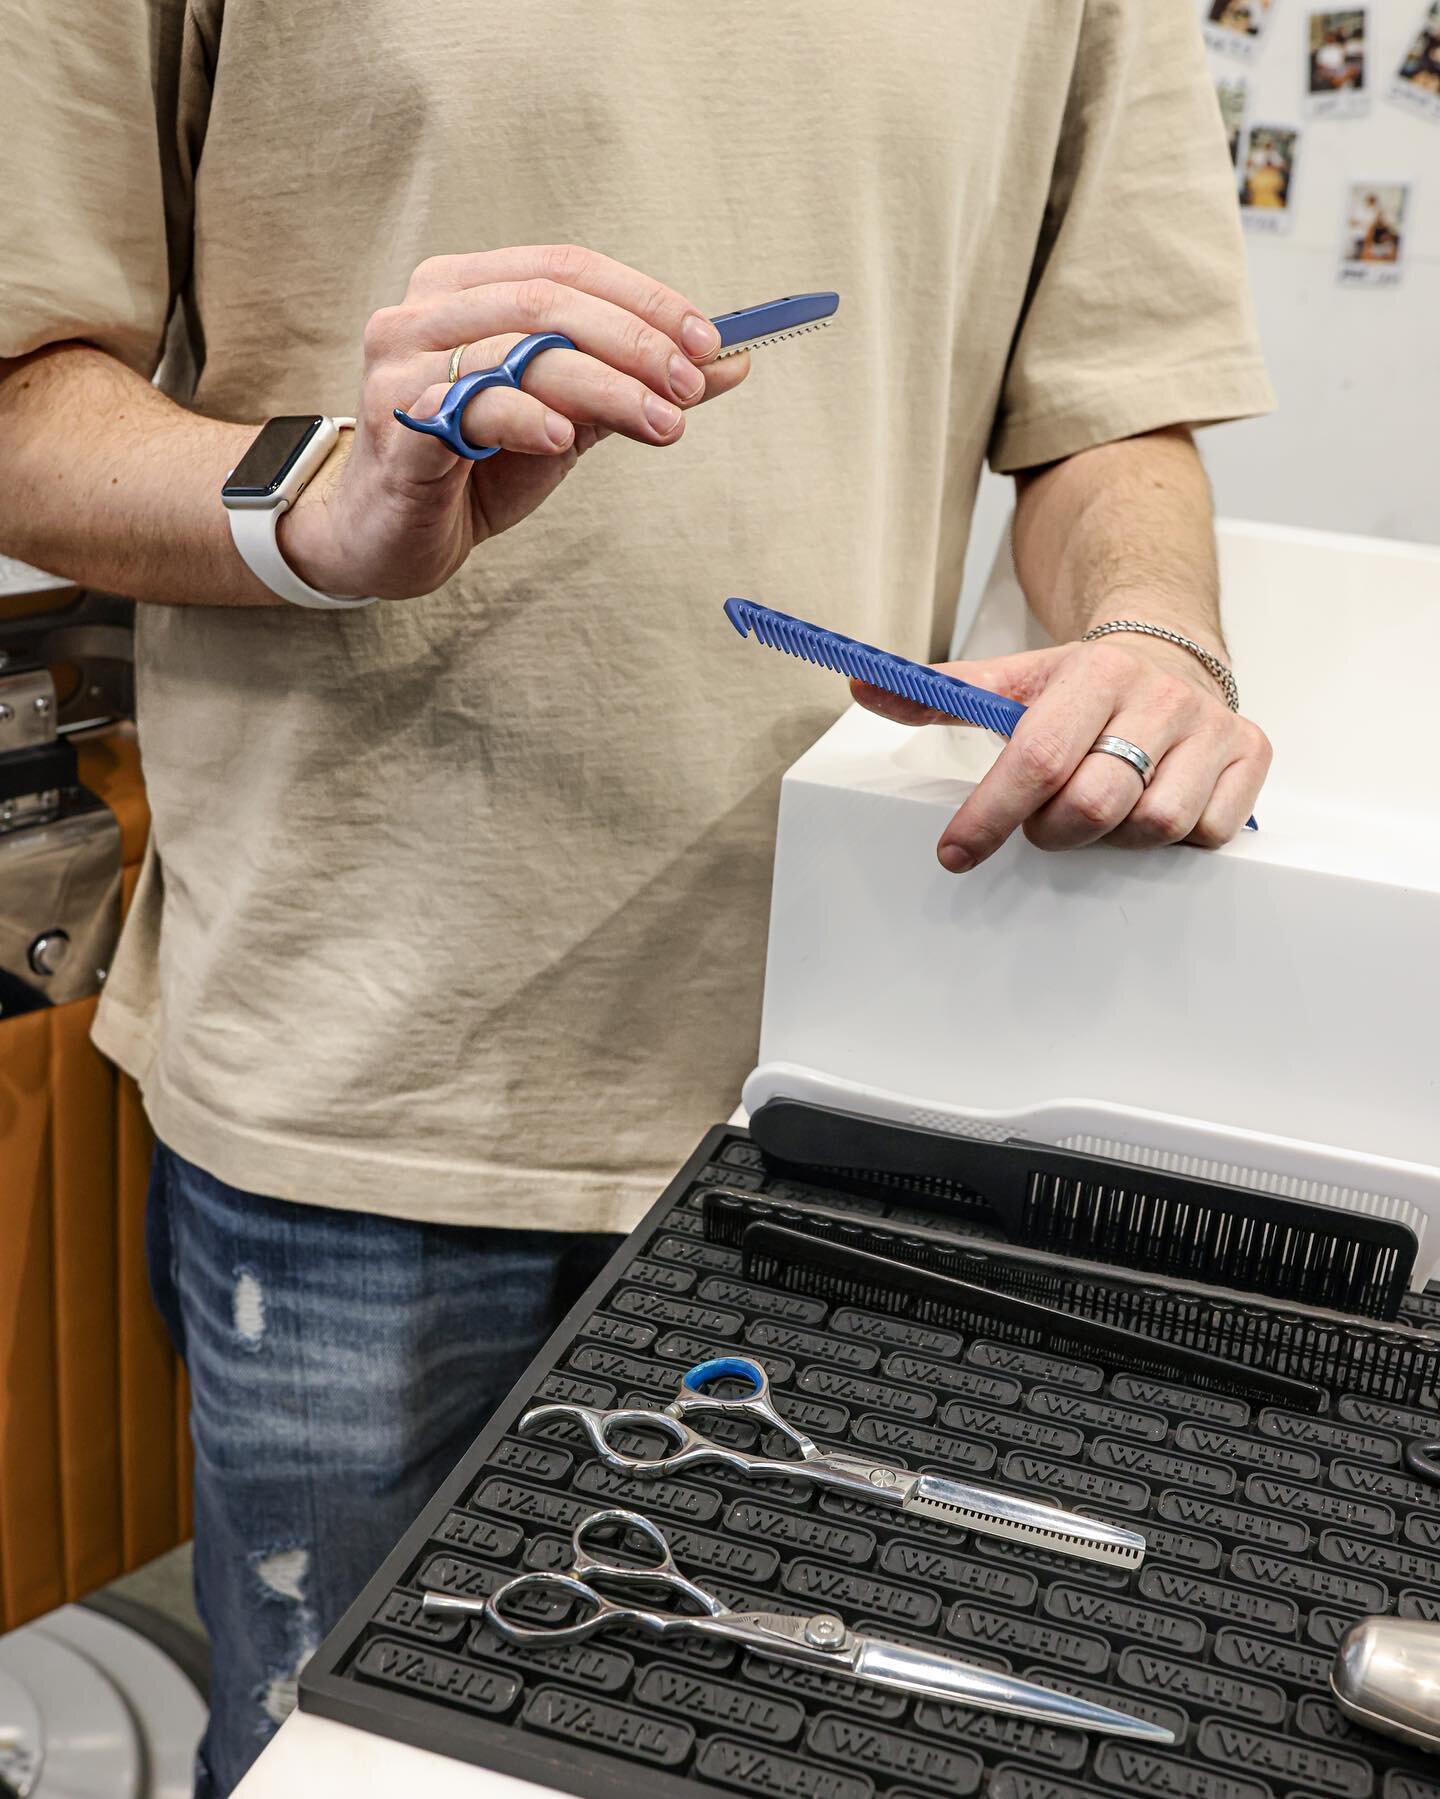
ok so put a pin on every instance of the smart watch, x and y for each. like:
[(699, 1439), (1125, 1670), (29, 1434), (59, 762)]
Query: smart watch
[(270, 477)]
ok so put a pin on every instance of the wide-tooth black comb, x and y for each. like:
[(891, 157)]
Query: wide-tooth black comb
[(1396, 1363), (1107, 1210), (839, 1274)]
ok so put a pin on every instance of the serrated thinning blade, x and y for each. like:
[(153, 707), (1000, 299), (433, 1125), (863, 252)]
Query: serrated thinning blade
[(759, 343), (1019, 1520)]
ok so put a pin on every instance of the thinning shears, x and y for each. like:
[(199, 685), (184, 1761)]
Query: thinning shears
[(641, 1558), (743, 330), (981, 1509)]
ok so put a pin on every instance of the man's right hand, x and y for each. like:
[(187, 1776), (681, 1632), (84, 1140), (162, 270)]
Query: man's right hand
[(395, 513)]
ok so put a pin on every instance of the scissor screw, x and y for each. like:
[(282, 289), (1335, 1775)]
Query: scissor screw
[(882, 1477), (825, 1632)]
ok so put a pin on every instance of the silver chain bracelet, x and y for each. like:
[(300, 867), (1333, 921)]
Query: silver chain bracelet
[(1211, 664)]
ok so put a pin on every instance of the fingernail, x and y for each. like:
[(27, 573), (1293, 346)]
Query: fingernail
[(558, 430), (663, 417), (698, 335), (955, 859), (686, 381)]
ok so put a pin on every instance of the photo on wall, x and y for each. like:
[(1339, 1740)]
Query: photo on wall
[(1267, 178), (1237, 27), (1335, 84), (1372, 249), (1233, 93), (1417, 80)]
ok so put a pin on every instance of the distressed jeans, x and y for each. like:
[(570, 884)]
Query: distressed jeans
[(339, 1364)]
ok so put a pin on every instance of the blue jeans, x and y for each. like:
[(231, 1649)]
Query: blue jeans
[(339, 1364)]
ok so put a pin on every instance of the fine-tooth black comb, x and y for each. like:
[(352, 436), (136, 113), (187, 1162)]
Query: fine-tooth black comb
[(839, 1274), (1105, 1209), (1396, 1363)]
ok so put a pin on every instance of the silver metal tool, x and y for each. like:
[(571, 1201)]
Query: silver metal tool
[(819, 1641), (981, 1509), (1386, 1676)]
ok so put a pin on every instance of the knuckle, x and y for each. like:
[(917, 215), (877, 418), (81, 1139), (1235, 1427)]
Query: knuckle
[(429, 274), (1046, 833), (654, 300), (535, 299), (385, 330), (639, 342), (1257, 744), (565, 263), (1160, 822), (1042, 757), (1094, 808), (1209, 836), (1180, 697)]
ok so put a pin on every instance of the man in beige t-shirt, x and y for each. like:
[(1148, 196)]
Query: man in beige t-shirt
[(454, 908)]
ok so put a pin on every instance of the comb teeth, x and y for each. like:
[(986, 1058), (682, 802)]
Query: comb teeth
[(879, 668), (775, 337), (1302, 1341), (842, 1275)]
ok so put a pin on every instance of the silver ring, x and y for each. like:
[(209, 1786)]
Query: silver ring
[(1127, 752), (452, 374)]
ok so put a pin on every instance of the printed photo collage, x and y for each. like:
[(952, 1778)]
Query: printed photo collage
[(1337, 74)]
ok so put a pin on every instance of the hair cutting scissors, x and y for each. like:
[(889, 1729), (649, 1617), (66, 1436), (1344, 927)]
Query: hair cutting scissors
[(819, 1641), (967, 1507), (738, 331)]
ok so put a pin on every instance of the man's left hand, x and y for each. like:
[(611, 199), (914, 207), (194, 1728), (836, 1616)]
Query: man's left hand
[(1209, 762)]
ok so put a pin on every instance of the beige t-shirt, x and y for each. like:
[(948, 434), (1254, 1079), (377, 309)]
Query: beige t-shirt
[(456, 907)]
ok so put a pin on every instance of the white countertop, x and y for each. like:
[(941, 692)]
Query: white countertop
[(324, 1760)]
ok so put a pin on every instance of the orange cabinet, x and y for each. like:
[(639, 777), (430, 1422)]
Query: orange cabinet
[(94, 1447)]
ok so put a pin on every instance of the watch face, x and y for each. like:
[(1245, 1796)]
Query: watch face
[(264, 466)]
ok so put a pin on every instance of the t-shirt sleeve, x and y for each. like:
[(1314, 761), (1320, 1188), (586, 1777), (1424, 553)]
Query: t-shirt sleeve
[(105, 105), (1139, 312)]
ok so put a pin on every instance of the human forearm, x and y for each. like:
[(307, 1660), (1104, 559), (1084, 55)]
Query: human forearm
[(106, 481), (1125, 530)]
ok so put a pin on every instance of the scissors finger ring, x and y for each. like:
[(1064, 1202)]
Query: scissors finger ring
[(446, 423), (738, 331)]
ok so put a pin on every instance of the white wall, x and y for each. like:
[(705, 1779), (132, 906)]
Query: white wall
[(1355, 444)]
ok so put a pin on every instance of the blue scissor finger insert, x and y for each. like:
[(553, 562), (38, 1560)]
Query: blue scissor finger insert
[(726, 1367), (446, 422)]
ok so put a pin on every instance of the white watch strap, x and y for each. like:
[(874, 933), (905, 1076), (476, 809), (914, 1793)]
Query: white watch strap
[(255, 533)]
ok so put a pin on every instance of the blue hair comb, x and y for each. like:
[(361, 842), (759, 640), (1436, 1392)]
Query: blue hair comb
[(754, 326), (896, 674), (745, 330), (862, 661)]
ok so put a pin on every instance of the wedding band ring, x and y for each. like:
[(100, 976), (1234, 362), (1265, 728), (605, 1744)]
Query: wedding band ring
[(452, 374), (1127, 752)]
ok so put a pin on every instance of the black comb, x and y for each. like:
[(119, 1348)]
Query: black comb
[(1393, 1362), (1105, 1209), (837, 1273)]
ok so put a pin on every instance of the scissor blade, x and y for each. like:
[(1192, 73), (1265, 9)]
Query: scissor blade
[(992, 1514), (961, 1683)]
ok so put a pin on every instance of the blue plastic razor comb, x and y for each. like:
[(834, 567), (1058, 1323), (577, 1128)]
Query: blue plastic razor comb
[(745, 330), (753, 326), (896, 674)]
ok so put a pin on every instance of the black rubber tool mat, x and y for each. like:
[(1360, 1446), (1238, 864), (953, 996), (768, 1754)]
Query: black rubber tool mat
[(1269, 1533)]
